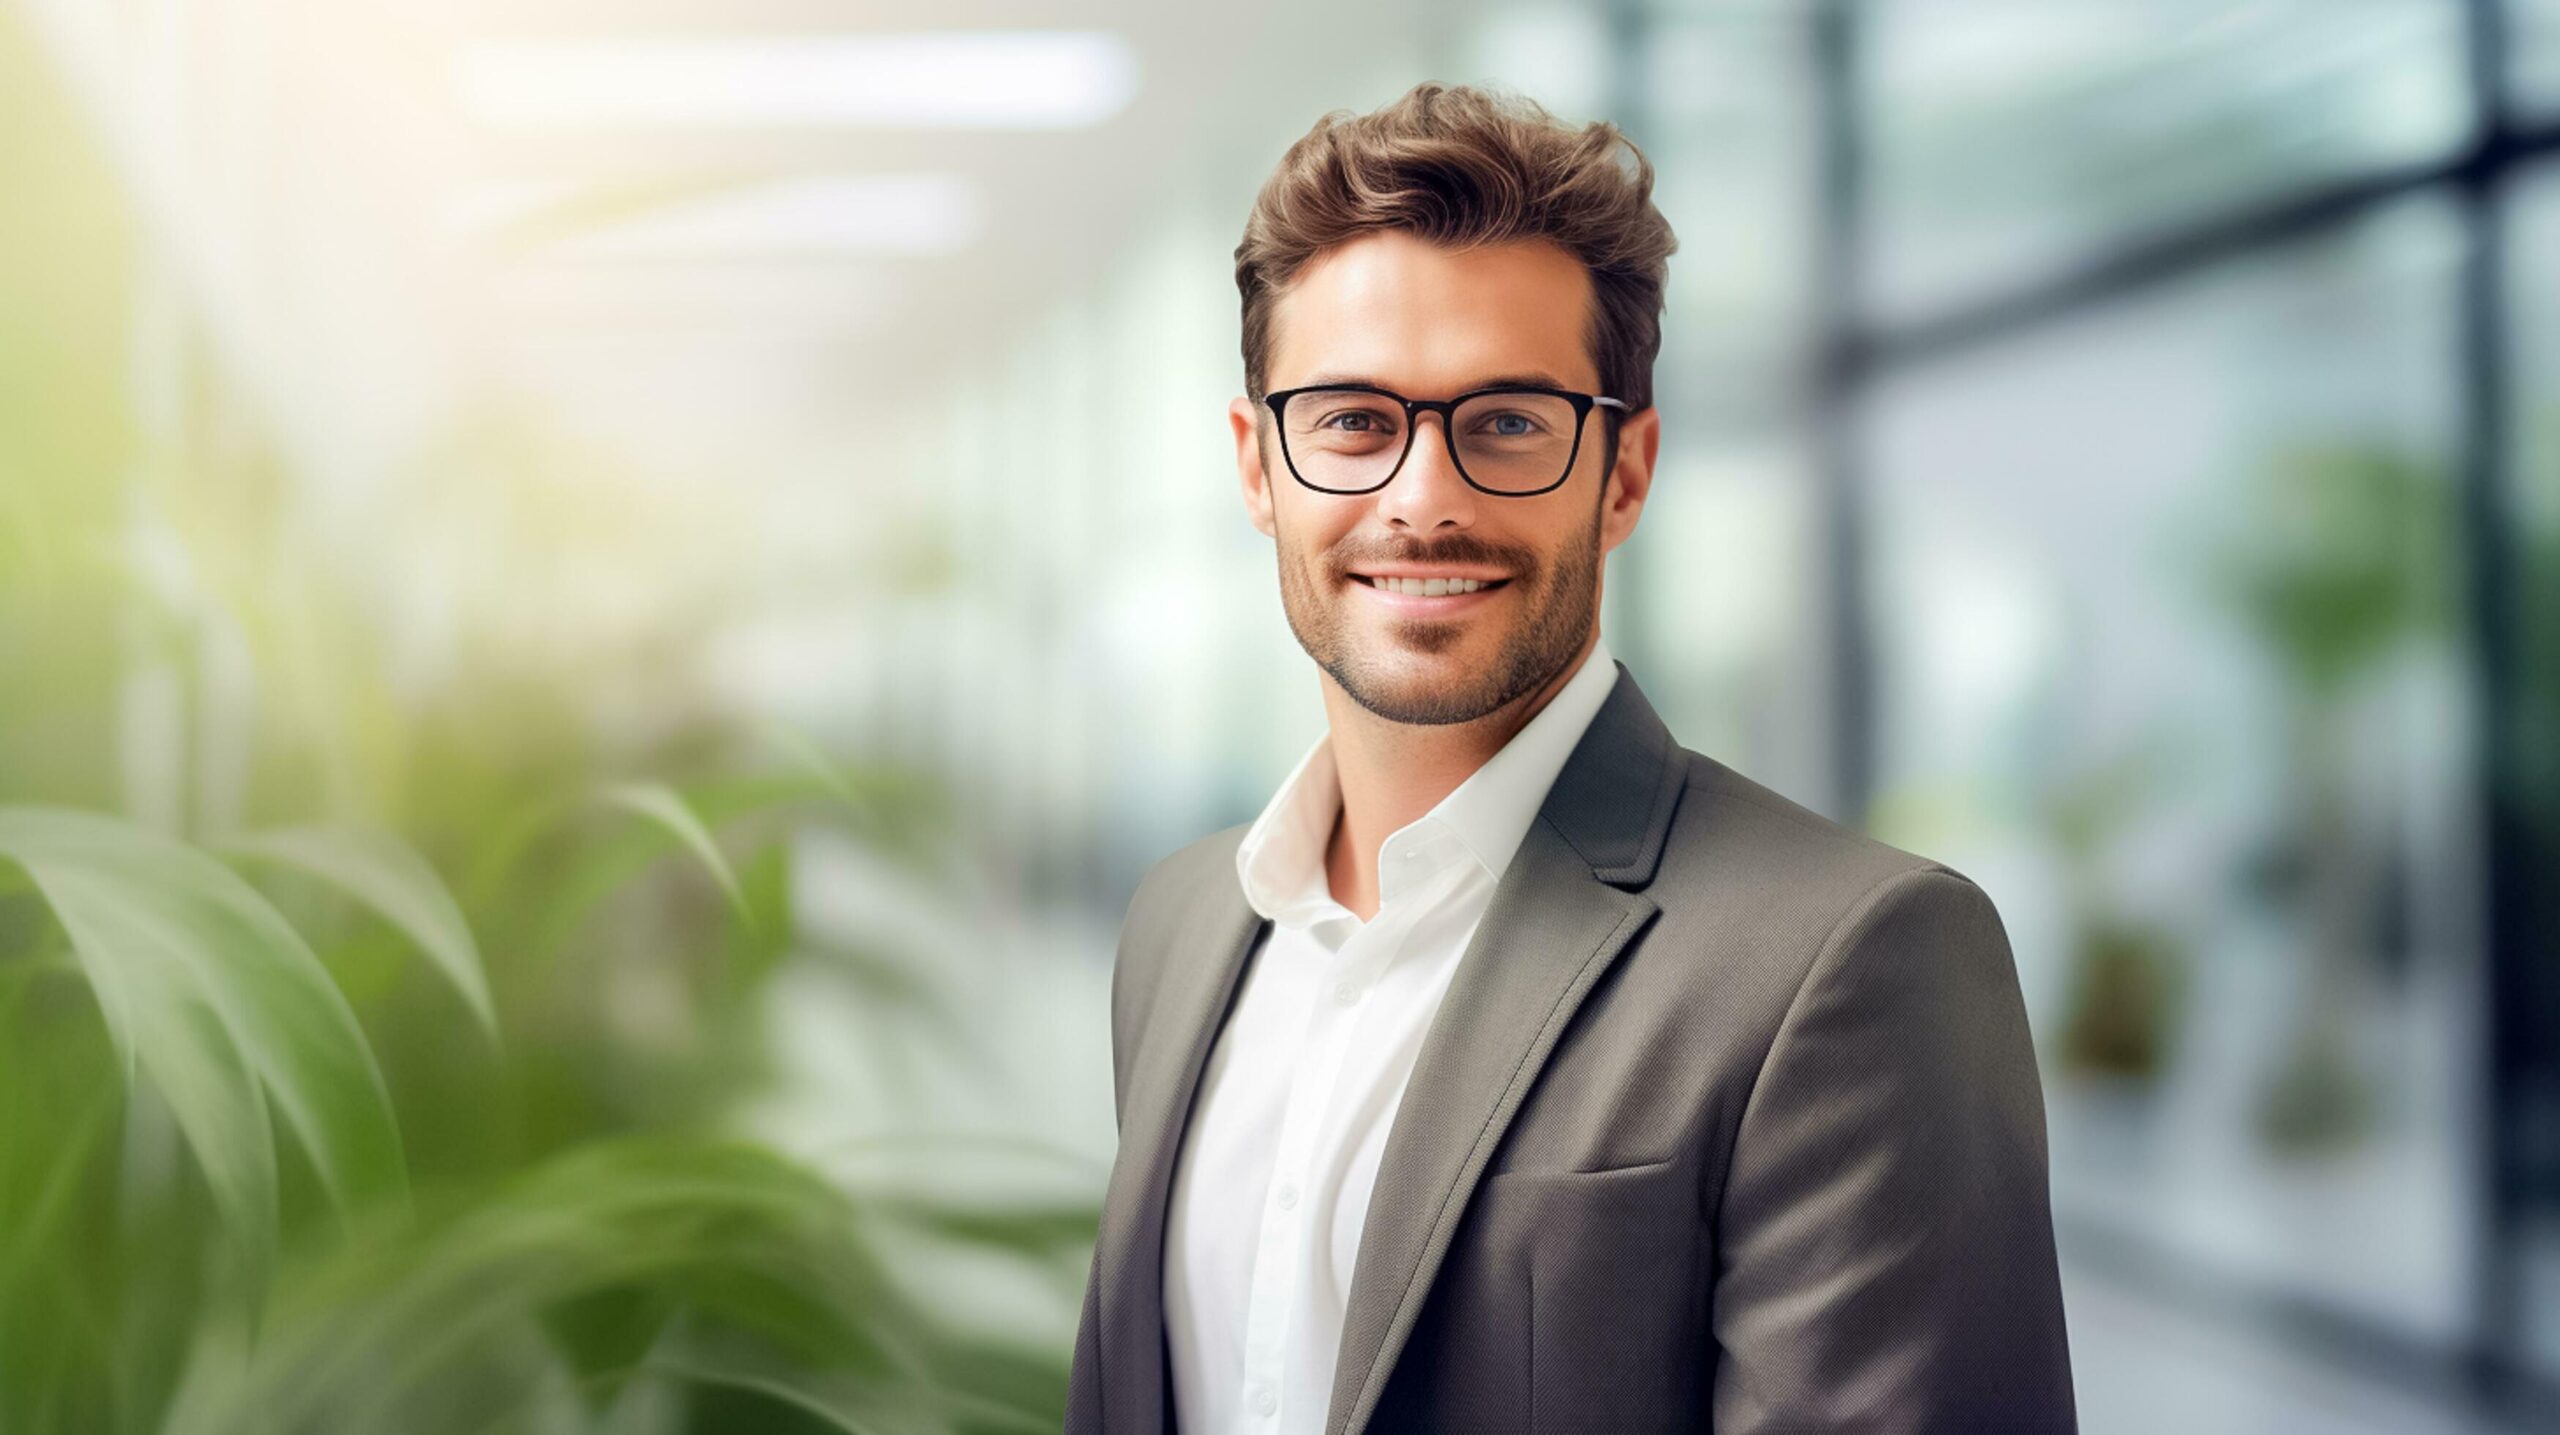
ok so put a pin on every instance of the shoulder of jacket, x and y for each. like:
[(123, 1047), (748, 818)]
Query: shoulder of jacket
[(1165, 894)]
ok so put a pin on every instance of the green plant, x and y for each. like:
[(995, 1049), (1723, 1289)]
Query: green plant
[(2337, 561), (610, 1276)]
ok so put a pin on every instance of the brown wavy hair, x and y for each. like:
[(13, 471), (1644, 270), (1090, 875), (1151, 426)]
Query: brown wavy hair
[(1462, 166)]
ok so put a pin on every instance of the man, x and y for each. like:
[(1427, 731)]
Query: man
[(1517, 1068)]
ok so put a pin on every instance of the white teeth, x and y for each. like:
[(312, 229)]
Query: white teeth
[(1429, 587)]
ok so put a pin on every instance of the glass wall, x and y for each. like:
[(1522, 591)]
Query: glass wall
[(2196, 415), (1717, 602), (2534, 70), (2012, 139), (2169, 644)]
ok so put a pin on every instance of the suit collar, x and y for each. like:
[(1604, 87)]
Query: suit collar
[(1567, 905), (1613, 801)]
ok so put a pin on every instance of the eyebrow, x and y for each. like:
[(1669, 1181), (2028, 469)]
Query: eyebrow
[(1535, 378)]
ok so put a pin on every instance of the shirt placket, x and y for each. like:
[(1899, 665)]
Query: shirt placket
[(1280, 1253), (1288, 1206)]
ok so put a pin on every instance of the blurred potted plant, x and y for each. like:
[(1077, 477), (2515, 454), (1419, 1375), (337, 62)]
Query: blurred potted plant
[(281, 1152), (256, 1255), (2337, 566), (2128, 972)]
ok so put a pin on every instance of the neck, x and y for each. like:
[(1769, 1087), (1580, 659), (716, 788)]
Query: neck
[(1392, 773)]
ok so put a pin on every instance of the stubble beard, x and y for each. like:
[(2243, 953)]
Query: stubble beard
[(1563, 600)]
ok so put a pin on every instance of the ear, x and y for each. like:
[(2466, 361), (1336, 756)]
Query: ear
[(1243, 415), (1639, 442)]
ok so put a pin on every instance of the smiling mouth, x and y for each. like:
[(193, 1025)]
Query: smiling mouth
[(1430, 587)]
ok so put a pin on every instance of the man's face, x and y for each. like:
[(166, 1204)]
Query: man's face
[(1392, 309)]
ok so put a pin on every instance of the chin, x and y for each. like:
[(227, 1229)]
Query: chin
[(1429, 648), (1422, 689)]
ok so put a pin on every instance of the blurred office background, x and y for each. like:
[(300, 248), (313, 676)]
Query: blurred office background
[(640, 579)]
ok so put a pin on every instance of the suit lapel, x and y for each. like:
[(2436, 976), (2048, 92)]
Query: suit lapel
[(1557, 919), (1210, 945)]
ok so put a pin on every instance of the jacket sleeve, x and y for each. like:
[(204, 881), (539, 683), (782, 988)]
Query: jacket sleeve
[(1885, 1250), (1084, 1370)]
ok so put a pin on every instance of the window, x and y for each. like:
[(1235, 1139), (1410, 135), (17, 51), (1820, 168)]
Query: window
[(2009, 139), (2166, 617), (2534, 56)]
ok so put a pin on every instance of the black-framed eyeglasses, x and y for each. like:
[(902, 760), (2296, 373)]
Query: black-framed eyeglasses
[(1516, 441)]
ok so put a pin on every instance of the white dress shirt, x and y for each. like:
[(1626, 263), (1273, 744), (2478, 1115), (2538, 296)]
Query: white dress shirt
[(1272, 1183)]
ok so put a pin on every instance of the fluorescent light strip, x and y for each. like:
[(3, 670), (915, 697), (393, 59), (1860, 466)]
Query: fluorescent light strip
[(995, 79)]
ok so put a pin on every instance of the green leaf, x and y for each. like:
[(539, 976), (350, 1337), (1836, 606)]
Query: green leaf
[(602, 1337), (385, 874), (35, 1226), (723, 1242), (663, 805), (211, 993), (807, 756)]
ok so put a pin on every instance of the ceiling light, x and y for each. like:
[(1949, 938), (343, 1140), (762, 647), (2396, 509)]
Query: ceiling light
[(994, 79)]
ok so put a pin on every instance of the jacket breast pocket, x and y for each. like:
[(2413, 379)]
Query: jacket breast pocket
[(1616, 1337)]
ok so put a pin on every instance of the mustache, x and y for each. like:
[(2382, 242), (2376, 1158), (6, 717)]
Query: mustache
[(1456, 550)]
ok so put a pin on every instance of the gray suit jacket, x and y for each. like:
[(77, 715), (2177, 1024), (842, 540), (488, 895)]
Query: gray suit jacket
[(1729, 1120)]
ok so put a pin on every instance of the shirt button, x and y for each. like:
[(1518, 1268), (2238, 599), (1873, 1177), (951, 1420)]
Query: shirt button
[(1344, 993), (1288, 1197), (1264, 1400)]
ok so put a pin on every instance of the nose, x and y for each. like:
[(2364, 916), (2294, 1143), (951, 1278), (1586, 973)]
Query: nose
[(1428, 493)]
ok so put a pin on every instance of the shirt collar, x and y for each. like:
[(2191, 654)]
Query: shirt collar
[(1281, 860)]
